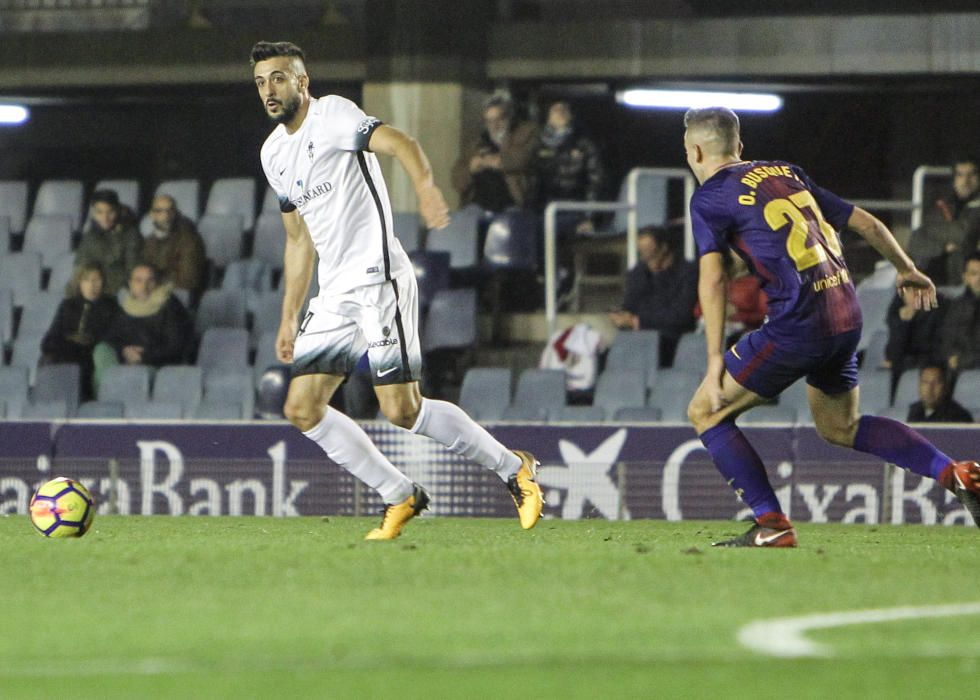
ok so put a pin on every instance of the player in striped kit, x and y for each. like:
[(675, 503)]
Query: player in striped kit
[(320, 162)]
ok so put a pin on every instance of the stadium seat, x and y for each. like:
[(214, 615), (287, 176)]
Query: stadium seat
[(6, 314), (62, 269), (218, 410), (270, 240), (14, 389), (38, 313), (265, 354), (233, 196), (883, 277), (187, 195), (231, 386), (769, 413), (49, 236), (21, 273), (637, 350), (620, 388), (542, 389), (874, 353), (407, 228), (526, 414), (223, 237), (183, 384), (128, 191), (874, 303), (220, 308), (153, 410), (451, 321), (249, 277), (646, 414), (967, 389), (512, 241), (459, 238), (58, 382), (431, 274), (100, 409), (673, 392), (266, 315), (651, 204), (55, 409), (485, 392), (578, 414), (692, 353), (875, 387), (271, 389), (907, 389), (895, 412), (125, 383), (13, 203), (60, 198), (223, 348), (795, 396), (4, 235), (26, 353), (270, 203)]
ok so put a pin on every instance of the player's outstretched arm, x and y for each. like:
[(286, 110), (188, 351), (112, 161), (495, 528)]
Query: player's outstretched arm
[(712, 282), (911, 283), (296, 274), (393, 142)]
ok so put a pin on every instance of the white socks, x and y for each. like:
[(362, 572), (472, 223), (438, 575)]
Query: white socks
[(449, 425), (349, 446)]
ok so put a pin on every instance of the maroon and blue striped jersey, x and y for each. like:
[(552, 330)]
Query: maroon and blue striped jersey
[(785, 227)]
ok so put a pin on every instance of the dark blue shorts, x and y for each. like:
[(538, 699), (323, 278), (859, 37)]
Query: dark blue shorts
[(766, 365)]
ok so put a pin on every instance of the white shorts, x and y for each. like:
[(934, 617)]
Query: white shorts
[(380, 319)]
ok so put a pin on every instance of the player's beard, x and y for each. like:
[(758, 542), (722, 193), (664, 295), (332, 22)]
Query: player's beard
[(287, 110)]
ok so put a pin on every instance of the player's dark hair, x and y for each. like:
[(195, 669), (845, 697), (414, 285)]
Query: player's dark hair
[(671, 238), (264, 50), (943, 372), (972, 257), (721, 120), (74, 286), (502, 100), (106, 197)]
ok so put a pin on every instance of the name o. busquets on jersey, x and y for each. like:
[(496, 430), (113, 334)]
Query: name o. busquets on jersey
[(325, 171)]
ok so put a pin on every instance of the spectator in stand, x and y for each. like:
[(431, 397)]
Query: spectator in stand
[(941, 246), (82, 320), (153, 328), (661, 291), (913, 336), (175, 248), (495, 170), (111, 239), (961, 326), (935, 405)]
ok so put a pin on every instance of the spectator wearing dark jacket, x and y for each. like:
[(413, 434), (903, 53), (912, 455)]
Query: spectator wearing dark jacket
[(961, 326), (935, 405), (111, 239), (153, 327), (81, 321), (913, 335)]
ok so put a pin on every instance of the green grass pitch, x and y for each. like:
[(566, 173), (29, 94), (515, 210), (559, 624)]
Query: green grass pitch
[(146, 607)]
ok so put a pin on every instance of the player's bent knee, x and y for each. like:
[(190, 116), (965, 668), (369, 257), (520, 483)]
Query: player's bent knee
[(402, 414), (699, 416), (302, 414), (841, 434)]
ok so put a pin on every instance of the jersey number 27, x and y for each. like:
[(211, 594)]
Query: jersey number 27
[(779, 212)]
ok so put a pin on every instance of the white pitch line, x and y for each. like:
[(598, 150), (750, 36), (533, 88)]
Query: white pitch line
[(785, 636)]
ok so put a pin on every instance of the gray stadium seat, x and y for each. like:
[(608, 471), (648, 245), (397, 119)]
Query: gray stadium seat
[(270, 240), (231, 386), (795, 395), (907, 389), (673, 392), (125, 383), (58, 382), (769, 414), (6, 314), (874, 303), (13, 203), (692, 353), (55, 409), (651, 203), (265, 354), (223, 348), (4, 235), (183, 384), (233, 196), (407, 229), (220, 308), (485, 392), (128, 191), (250, 278), (451, 321), (459, 238), (62, 269), (512, 241), (270, 203), (431, 274), (525, 413), (14, 389), (100, 409), (578, 414), (60, 198), (646, 414), (875, 387), (266, 315), (49, 236), (967, 389), (874, 353), (223, 236), (153, 410), (38, 313), (620, 388), (218, 410), (186, 193), (540, 389), (26, 353), (639, 350), (21, 273)]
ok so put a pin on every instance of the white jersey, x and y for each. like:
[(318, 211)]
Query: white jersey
[(325, 171)]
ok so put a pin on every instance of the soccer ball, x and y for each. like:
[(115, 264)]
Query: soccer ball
[(62, 508)]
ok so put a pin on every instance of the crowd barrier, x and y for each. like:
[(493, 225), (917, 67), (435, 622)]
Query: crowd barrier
[(614, 472)]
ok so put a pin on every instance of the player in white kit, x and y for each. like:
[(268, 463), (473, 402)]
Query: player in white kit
[(320, 162)]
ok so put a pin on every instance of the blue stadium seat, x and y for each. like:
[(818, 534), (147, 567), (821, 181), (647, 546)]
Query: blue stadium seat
[(223, 236), (620, 388), (220, 308), (223, 348), (451, 321), (269, 241), (539, 389), (673, 392), (233, 196), (512, 241), (231, 386), (636, 350), (692, 353), (101, 409), (14, 389), (58, 382), (407, 228), (459, 238), (21, 274), (646, 414), (183, 384), (125, 383), (578, 414), (485, 393), (431, 274), (153, 410)]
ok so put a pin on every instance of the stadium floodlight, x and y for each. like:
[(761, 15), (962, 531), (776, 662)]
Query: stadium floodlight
[(13, 114), (686, 99)]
